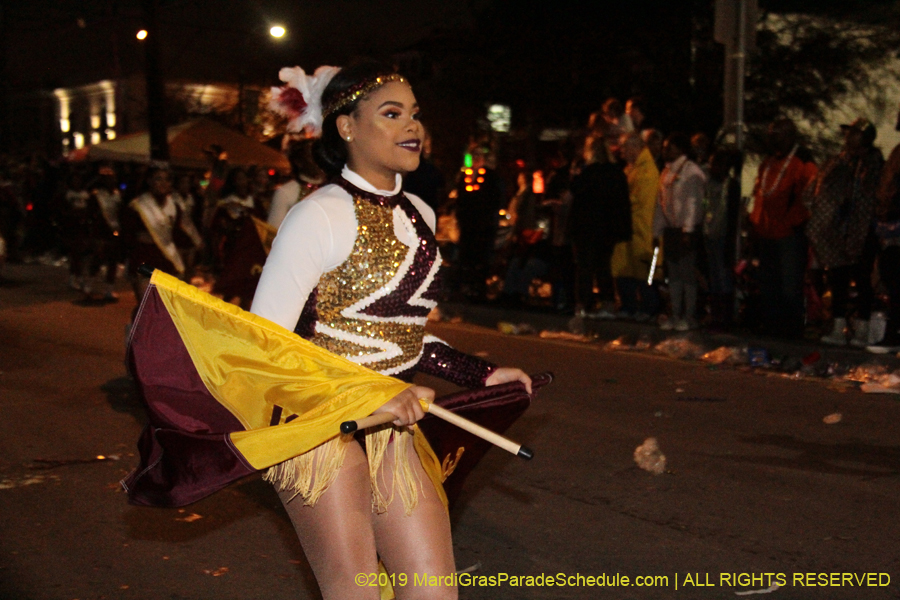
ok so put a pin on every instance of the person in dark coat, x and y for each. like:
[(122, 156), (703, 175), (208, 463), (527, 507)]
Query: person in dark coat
[(478, 203), (599, 219)]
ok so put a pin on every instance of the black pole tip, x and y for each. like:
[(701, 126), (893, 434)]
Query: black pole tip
[(525, 452), (146, 270), (348, 427)]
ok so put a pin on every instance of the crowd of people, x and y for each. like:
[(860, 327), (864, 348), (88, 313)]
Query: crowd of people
[(105, 220), (652, 228), (633, 225)]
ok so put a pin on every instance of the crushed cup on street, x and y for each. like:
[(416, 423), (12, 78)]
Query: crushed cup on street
[(514, 329), (833, 418), (867, 373), (679, 348), (564, 335), (649, 458), (885, 384), (620, 343), (726, 355)]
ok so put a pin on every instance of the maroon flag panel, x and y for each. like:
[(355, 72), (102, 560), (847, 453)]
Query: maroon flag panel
[(185, 451), (496, 408)]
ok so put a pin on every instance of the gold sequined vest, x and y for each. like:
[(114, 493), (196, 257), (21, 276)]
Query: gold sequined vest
[(372, 309)]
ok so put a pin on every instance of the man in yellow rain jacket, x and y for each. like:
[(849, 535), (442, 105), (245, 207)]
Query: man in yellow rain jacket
[(631, 260)]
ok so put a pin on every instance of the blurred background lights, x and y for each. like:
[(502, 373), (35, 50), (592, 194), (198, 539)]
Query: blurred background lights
[(500, 117)]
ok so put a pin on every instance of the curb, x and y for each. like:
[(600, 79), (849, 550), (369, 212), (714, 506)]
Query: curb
[(787, 353)]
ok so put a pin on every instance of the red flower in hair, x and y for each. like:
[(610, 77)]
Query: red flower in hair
[(292, 101)]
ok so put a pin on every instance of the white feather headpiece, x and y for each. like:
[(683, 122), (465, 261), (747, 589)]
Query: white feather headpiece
[(300, 99)]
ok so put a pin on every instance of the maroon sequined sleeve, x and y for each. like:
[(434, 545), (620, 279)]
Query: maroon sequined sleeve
[(446, 362)]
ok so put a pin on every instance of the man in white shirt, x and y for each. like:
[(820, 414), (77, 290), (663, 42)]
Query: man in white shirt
[(677, 219)]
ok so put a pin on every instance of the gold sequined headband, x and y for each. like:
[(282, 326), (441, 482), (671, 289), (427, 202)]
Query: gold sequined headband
[(359, 90)]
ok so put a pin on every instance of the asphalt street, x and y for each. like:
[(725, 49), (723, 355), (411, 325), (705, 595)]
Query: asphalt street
[(759, 493)]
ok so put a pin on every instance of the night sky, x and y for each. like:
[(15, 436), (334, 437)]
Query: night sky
[(553, 62), (61, 43)]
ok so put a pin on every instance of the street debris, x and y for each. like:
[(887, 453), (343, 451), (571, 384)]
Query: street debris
[(772, 588), (866, 373), (8, 484), (649, 458), (514, 329), (681, 348), (726, 355), (625, 342), (833, 418), (759, 357), (564, 335), (46, 463), (190, 518)]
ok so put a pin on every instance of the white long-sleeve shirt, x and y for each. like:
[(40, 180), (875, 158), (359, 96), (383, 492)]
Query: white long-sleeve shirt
[(678, 203)]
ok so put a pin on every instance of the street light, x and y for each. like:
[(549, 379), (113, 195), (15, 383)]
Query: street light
[(142, 34), (277, 31)]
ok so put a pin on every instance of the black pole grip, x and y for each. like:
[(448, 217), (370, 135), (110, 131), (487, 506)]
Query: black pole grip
[(146, 270), (348, 427)]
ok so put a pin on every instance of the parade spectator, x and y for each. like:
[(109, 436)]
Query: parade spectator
[(183, 194), (653, 140), (777, 221), (721, 203), (887, 229), (616, 118), (11, 216), (478, 206), (187, 200), (558, 203), (530, 250), (427, 182), (261, 187), (700, 151), (599, 219), (236, 206), (842, 206), (631, 259), (636, 111), (306, 177), (76, 229), (677, 219), (106, 205)]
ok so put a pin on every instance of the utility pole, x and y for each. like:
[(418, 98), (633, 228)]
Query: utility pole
[(156, 117), (735, 28)]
